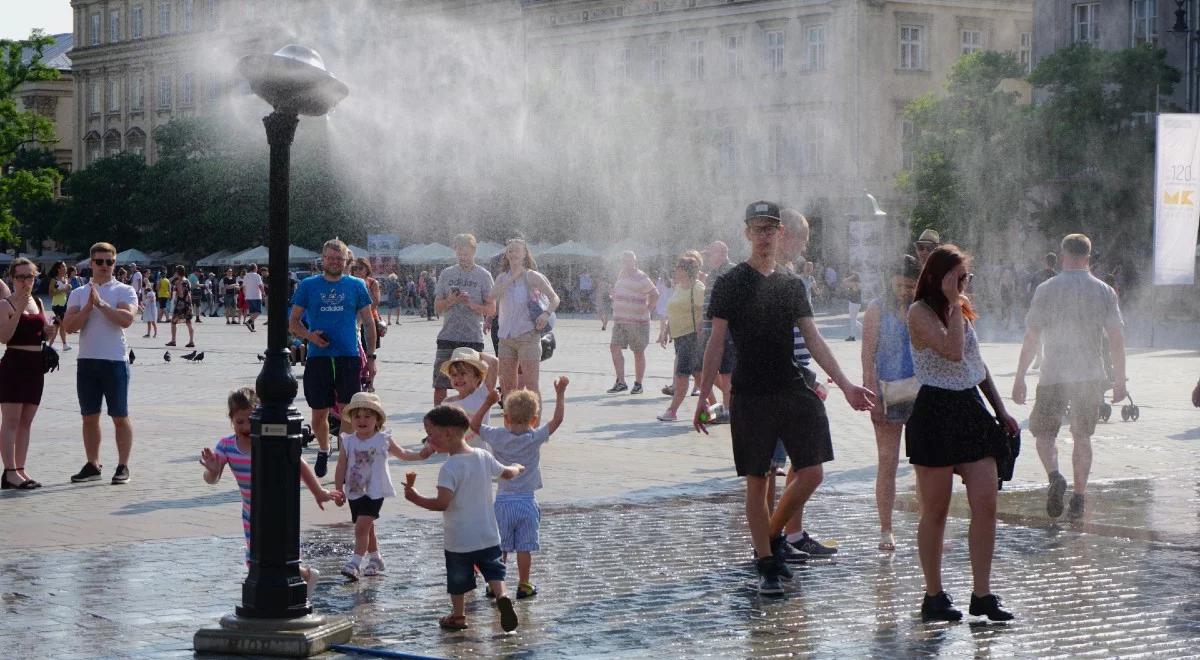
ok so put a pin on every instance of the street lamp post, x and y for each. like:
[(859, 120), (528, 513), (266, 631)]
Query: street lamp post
[(275, 617)]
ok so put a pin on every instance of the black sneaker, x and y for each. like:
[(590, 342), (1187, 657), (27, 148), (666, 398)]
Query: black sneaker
[(619, 386), (811, 546), (637, 389), (89, 472), (777, 551), (1075, 508), (768, 577), (989, 606), (1054, 497), (322, 465), (939, 608), (121, 476), (791, 555)]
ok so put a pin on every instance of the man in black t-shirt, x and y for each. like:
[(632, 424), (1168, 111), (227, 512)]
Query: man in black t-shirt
[(759, 305)]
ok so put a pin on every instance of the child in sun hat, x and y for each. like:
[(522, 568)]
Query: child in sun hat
[(472, 375), (362, 475)]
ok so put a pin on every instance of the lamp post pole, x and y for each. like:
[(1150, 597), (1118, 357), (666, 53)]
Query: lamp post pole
[(273, 588), (275, 617)]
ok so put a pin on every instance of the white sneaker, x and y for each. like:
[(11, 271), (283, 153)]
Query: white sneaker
[(350, 570), (311, 580)]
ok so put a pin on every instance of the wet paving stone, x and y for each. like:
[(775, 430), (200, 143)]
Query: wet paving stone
[(665, 578)]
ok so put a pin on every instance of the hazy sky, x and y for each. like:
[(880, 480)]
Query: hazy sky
[(18, 17)]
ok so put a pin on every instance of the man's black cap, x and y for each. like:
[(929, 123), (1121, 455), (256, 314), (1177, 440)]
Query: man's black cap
[(762, 209)]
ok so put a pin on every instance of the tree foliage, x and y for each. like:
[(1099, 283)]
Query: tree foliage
[(26, 182), (988, 166)]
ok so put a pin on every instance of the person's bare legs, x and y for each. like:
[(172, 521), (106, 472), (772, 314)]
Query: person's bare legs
[(1048, 451), (124, 432), (508, 374), (439, 395), (91, 438), (1081, 462), (801, 484), (362, 534), (10, 420), (173, 324), (724, 384), (21, 447), (980, 479), (935, 486), (524, 564), (681, 391), (639, 366), (191, 331), (618, 359), (373, 542), (320, 427), (887, 447)]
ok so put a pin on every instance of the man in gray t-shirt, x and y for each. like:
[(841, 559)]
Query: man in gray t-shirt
[(1072, 315), (461, 298)]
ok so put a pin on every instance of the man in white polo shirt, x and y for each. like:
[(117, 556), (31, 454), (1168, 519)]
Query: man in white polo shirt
[(100, 311), (252, 285)]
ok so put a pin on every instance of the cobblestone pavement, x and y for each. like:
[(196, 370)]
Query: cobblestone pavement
[(645, 545)]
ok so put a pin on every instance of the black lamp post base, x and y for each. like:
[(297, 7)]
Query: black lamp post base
[(292, 638)]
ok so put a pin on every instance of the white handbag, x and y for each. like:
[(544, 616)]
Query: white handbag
[(898, 392)]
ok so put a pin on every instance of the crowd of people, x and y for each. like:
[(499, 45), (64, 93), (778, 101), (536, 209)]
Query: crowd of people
[(744, 340)]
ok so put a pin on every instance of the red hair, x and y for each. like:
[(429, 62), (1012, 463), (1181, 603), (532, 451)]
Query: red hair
[(929, 286)]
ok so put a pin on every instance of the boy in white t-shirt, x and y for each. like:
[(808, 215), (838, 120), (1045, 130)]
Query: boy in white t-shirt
[(472, 538)]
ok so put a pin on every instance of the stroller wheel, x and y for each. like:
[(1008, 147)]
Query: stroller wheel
[(1105, 412), (1134, 412), (1125, 413)]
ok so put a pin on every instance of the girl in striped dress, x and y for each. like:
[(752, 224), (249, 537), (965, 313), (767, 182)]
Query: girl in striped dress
[(234, 451)]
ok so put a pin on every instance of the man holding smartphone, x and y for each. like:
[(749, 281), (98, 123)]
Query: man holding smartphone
[(461, 298), (330, 304)]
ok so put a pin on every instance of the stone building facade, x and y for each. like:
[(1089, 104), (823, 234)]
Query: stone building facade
[(54, 99)]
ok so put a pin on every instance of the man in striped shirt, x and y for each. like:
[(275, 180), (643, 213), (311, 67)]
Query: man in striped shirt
[(633, 298)]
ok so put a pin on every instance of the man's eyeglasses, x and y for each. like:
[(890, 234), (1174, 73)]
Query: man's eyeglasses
[(104, 262), (765, 230)]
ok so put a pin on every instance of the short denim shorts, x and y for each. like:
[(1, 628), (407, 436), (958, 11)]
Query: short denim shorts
[(460, 568), (102, 380)]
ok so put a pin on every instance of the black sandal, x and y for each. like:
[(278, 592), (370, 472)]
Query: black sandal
[(26, 485)]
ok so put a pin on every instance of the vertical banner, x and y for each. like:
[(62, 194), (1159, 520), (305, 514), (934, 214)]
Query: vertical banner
[(1176, 198)]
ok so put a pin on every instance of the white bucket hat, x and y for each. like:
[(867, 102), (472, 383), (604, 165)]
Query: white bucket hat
[(364, 400), (468, 355)]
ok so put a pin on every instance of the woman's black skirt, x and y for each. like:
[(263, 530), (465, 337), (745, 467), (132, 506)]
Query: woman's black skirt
[(952, 427)]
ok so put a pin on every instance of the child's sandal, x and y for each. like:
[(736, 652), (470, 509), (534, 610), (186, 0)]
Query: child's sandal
[(887, 542), (451, 622)]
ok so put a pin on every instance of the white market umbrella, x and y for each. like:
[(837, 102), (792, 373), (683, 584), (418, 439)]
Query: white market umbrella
[(215, 259), (254, 255)]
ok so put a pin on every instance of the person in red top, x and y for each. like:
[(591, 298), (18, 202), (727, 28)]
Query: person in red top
[(23, 327)]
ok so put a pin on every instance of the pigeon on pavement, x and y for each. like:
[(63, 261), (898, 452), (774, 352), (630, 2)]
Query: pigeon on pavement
[(189, 356), (132, 357), (167, 356), (200, 357)]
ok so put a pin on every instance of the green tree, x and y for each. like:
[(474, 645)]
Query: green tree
[(26, 185), (103, 204)]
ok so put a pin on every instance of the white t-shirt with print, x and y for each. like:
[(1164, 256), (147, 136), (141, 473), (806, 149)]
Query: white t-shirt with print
[(100, 338), (470, 520), (367, 466)]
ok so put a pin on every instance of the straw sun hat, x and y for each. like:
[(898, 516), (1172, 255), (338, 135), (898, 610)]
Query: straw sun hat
[(364, 400), (468, 355)]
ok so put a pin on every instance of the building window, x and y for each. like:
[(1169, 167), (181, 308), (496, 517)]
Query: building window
[(114, 26), (164, 92), (92, 148), (135, 142), (774, 51), (624, 67), (727, 152), (214, 15), (1087, 27), (112, 143), (189, 13), (114, 95), (185, 89), (972, 40), (164, 17), (1145, 22), (137, 96), (94, 33), (733, 55), (1025, 54), (696, 60), (815, 48), (810, 149), (587, 70), (135, 22), (912, 47), (94, 98), (908, 145), (776, 150), (212, 90), (658, 63)]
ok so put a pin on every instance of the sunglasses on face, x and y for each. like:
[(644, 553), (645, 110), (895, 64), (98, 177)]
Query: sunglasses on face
[(104, 262)]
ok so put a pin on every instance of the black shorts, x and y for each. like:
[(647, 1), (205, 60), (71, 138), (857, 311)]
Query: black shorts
[(794, 417), (365, 506), (728, 357), (329, 380)]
